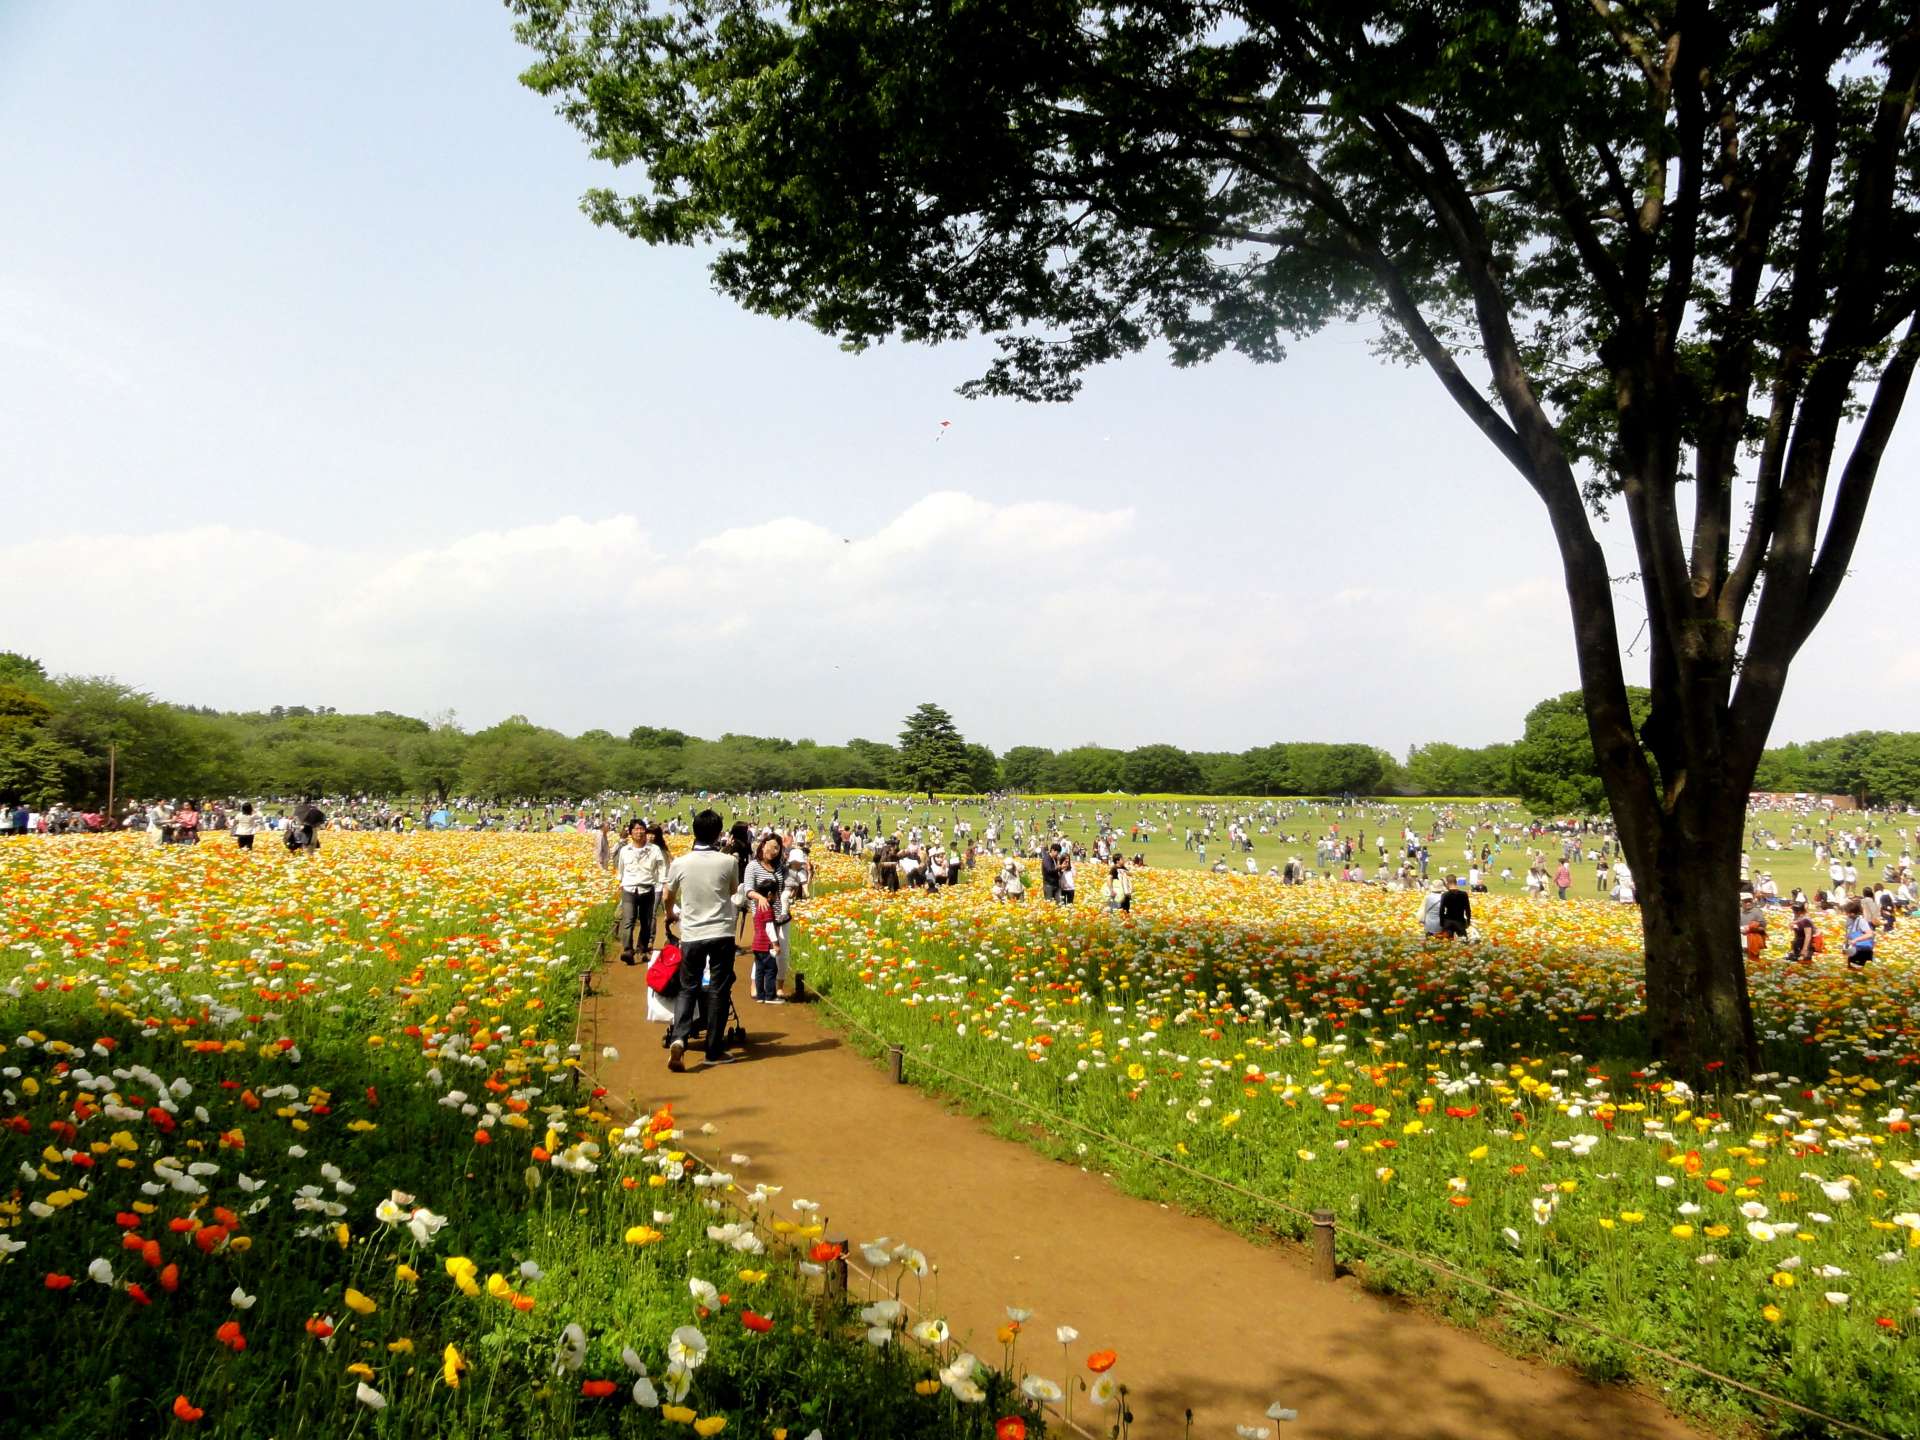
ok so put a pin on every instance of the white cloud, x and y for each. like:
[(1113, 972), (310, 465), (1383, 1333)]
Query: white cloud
[(1035, 622)]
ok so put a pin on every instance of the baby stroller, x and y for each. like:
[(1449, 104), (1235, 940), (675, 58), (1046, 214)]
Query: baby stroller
[(663, 978)]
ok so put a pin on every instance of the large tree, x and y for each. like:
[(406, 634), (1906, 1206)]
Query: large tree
[(1644, 245), (933, 755)]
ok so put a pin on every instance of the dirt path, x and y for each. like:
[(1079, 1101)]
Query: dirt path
[(1201, 1318)]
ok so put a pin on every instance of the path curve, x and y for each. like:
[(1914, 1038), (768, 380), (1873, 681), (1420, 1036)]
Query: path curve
[(1201, 1317)]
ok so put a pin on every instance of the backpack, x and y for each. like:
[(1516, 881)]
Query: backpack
[(1818, 945)]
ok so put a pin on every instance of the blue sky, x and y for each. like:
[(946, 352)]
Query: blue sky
[(309, 360)]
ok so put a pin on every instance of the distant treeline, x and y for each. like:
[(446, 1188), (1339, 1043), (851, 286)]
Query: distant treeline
[(56, 731)]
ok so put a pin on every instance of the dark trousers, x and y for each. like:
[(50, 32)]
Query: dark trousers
[(766, 975), (707, 1002), (245, 842), (635, 922)]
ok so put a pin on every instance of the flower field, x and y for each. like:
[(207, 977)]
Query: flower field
[(303, 1147), (1485, 1105)]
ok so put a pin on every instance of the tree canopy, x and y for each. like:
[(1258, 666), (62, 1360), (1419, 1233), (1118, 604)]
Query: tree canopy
[(933, 754), (1644, 246)]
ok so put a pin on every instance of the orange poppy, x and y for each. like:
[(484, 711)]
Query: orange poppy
[(1010, 1427), (759, 1324), (59, 1282), (229, 1335), (1101, 1361), (597, 1389), (184, 1409)]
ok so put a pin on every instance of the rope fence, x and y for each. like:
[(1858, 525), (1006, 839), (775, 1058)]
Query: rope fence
[(1321, 1223)]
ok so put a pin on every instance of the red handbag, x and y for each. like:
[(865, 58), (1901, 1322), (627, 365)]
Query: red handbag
[(665, 970)]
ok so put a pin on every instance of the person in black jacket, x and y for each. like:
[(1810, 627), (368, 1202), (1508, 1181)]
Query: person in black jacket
[(1456, 911)]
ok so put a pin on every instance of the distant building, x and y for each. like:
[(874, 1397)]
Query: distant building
[(1801, 800)]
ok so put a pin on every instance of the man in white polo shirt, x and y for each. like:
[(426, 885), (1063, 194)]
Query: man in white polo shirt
[(702, 887)]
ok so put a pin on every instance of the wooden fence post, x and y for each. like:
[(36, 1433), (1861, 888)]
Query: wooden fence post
[(897, 1063), (837, 1272), (1323, 1263)]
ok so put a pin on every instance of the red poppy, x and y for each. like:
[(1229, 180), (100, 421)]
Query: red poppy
[(597, 1389), (1010, 1427), (149, 1251), (481, 1137), (824, 1252), (185, 1410), (138, 1295), (59, 1282), (318, 1328), (170, 1279), (229, 1335), (759, 1324), (126, 1220), (209, 1238), (1101, 1361), (182, 1226)]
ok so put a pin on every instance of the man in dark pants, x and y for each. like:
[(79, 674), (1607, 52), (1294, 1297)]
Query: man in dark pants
[(1050, 873), (1456, 911), (702, 888)]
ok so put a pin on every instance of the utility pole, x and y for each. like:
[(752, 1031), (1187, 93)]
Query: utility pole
[(111, 823)]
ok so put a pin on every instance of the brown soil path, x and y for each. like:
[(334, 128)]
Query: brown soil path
[(1201, 1317)]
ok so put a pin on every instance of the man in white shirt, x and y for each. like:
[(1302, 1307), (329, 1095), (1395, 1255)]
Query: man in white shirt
[(642, 868), (703, 889)]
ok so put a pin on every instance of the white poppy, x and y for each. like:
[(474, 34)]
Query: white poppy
[(644, 1395), (425, 1225), (369, 1397), (1038, 1387), (678, 1381), (573, 1350), (1066, 1334), (240, 1300), (687, 1348)]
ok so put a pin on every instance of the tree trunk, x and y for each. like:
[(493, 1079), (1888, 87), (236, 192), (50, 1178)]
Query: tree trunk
[(1686, 871)]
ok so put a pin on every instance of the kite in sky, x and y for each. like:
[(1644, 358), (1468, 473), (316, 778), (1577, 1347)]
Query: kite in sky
[(943, 431)]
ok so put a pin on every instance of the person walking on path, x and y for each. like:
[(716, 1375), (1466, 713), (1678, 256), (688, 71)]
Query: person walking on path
[(703, 893), (1120, 887), (642, 869), (1806, 935), (1563, 879), (767, 877), (245, 826), (1456, 911), (1859, 937), (1430, 908)]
